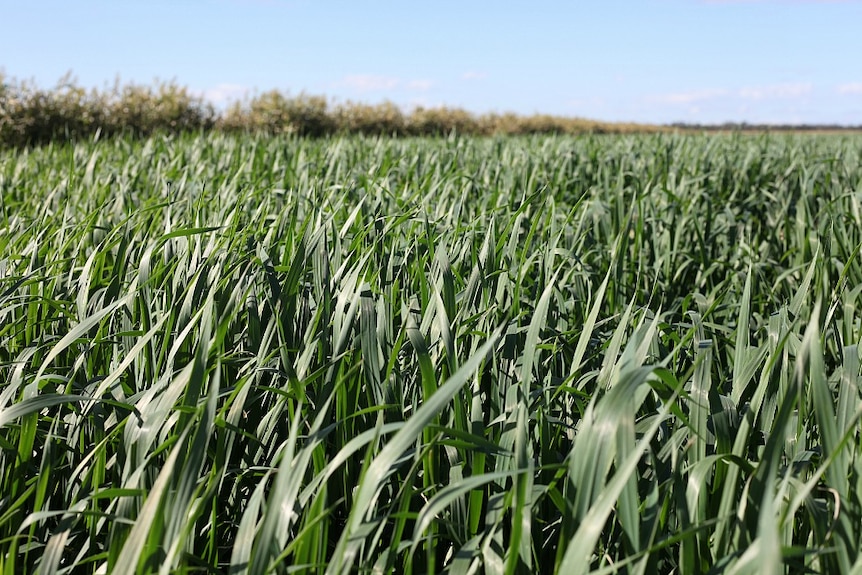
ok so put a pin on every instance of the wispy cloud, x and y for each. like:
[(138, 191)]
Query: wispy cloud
[(748, 93), (690, 97), (423, 102), (588, 107), (420, 85), (775, 91), (473, 75), (226, 93), (586, 104), (364, 83), (288, 3), (369, 83), (851, 88), (780, 1)]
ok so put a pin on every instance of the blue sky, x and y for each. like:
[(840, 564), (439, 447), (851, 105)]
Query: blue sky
[(776, 61)]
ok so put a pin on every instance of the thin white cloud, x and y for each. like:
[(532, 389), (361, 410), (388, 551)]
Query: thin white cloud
[(287, 3), (775, 91), (690, 97), (779, 103), (423, 102), (587, 104), (851, 88), (748, 93), (420, 85), (370, 83), (364, 83), (780, 1), (473, 75), (226, 93)]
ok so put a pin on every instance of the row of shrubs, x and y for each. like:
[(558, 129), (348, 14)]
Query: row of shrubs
[(30, 115)]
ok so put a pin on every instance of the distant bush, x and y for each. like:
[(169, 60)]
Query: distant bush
[(275, 113), (385, 119), (167, 107), (442, 121), (31, 116)]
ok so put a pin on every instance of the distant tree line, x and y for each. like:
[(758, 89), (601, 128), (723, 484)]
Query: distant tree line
[(30, 115), (747, 127)]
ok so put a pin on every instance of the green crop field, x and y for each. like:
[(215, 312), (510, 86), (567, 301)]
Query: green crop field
[(598, 354)]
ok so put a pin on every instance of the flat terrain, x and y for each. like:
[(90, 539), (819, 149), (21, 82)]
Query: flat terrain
[(597, 354)]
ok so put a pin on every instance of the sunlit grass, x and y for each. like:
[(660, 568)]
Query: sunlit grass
[(577, 355)]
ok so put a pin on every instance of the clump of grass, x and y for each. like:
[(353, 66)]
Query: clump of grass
[(238, 353)]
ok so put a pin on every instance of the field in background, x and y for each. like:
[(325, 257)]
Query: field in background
[(235, 354)]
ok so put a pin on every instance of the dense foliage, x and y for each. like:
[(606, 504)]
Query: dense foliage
[(235, 354), (30, 115)]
